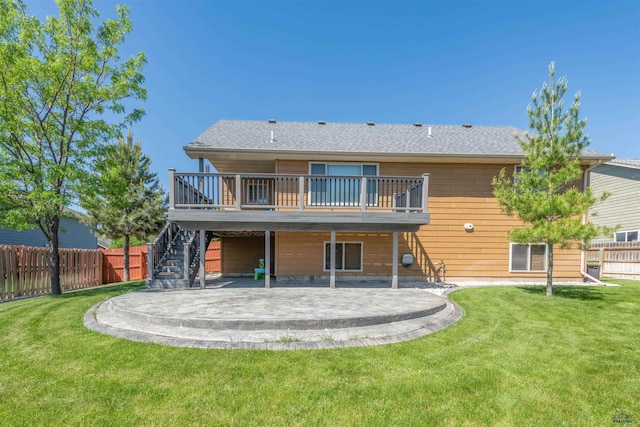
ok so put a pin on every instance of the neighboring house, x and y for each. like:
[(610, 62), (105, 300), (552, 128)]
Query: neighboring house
[(327, 201), (73, 234), (103, 243), (621, 178)]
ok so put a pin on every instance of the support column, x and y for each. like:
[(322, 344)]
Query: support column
[(203, 258), (332, 261), (394, 263), (267, 259)]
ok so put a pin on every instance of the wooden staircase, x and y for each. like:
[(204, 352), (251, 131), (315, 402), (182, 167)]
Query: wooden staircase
[(174, 258)]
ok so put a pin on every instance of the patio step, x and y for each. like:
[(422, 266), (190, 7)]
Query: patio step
[(168, 283)]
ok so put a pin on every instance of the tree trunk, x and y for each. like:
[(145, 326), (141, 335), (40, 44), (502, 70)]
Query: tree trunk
[(53, 225), (550, 270), (126, 257)]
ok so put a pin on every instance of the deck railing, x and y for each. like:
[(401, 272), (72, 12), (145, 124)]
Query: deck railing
[(198, 190)]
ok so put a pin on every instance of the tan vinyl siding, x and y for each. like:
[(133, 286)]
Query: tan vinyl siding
[(458, 194), (622, 208)]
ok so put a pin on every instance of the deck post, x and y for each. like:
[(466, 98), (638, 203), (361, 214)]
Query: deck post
[(363, 194), (238, 192), (332, 260), (425, 192), (203, 260), (172, 188), (301, 180), (407, 198), (267, 259), (185, 262), (394, 263)]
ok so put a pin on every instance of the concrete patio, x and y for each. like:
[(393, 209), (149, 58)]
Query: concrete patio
[(241, 313)]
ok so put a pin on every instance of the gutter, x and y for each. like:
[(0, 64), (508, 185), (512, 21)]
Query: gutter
[(587, 175)]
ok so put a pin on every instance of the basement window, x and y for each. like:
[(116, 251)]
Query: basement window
[(348, 256), (528, 257)]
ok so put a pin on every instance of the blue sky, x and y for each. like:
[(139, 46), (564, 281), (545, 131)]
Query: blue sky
[(435, 62)]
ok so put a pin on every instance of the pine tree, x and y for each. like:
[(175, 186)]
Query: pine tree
[(545, 194), (127, 200)]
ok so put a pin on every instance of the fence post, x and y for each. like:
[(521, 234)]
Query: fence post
[(601, 260)]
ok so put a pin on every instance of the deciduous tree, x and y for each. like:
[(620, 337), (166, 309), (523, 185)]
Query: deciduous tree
[(546, 193), (58, 80)]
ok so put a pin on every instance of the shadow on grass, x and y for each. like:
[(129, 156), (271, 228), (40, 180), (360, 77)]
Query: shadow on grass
[(584, 293), (105, 291)]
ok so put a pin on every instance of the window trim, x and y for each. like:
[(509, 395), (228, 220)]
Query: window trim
[(528, 270), (324, 256)]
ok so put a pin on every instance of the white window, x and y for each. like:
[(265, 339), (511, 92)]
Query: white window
[(528, 257), (342, 190), (348, 256), (626, 236)]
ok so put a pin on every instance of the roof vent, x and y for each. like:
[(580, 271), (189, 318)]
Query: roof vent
[(466, 125), (418, 125), (429, 131), (370, 124), (272, 120), (322, 122)]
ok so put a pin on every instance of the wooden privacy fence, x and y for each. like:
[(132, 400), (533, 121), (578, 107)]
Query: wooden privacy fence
[(24, 270), (212, 258), (620, 260), (113, 262)]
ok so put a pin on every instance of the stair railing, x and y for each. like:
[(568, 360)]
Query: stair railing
[(159, 248), (191, 256)]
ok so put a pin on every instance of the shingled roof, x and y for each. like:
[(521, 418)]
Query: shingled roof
[(630, 163), (365, 138)]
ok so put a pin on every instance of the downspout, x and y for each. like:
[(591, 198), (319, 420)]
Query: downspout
[(586, 179)]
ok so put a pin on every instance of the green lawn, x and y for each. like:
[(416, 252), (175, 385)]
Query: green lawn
[(516, 358)]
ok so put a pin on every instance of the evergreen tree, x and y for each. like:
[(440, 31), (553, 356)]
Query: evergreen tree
[(545, 194), (127, 200)]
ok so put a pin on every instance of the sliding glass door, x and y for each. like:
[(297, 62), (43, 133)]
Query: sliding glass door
[(344, 190)]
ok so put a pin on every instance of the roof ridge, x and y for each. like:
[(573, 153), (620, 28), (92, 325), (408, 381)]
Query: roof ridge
[(326, 122)]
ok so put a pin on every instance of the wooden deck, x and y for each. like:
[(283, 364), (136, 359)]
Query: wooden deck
[(237, 202)]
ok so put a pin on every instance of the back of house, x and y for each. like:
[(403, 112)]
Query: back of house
[(360, 201)]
